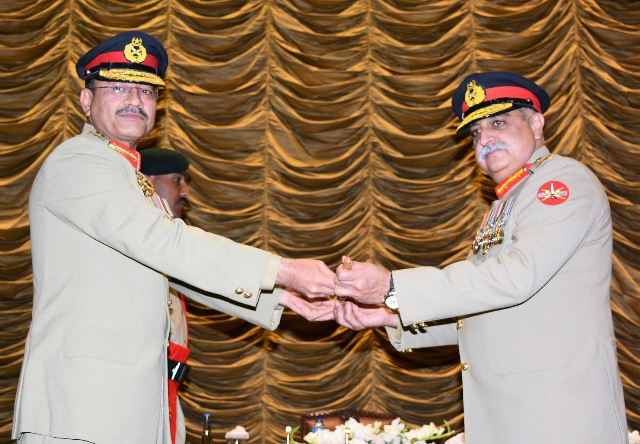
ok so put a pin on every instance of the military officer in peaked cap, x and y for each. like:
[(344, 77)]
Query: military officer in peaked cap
[(95, 362), (529, 307)]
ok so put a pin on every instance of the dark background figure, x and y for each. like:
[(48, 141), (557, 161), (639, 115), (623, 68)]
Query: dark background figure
[(167, 171)]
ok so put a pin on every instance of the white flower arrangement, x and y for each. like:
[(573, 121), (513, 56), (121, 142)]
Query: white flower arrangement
[(394, 433)]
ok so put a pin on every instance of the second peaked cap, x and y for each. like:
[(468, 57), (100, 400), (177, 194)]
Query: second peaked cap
[(487, 94)]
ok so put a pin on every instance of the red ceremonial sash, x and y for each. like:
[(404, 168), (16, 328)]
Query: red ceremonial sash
[(180, 354)]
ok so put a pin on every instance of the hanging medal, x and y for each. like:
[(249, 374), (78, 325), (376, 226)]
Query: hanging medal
[(491, 231)]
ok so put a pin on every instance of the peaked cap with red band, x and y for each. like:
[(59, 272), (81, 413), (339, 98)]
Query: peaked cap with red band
[(486, 94), (132, 56)]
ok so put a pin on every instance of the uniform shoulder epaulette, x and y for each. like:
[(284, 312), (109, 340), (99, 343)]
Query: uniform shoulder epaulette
[(97, 134), (541, 161)]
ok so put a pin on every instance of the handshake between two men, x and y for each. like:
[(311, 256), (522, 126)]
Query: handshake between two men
[(360, 287)]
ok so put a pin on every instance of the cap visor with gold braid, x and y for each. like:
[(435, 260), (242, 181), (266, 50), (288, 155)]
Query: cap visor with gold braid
[(133, 57), (483, 95)]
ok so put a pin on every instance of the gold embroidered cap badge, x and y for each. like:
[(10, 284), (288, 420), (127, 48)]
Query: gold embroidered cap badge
[(474, 95), (134, 51)]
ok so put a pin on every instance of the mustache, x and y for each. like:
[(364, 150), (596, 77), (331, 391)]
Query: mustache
[(132, 110), (488, 149)]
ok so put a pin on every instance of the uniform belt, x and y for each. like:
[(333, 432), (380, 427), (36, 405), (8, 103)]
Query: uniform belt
[(177, 370)]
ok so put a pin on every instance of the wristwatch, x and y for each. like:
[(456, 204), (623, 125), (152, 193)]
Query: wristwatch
[(390, 299)]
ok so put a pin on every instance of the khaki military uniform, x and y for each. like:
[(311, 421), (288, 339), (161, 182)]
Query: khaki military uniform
[(531, 316), (95, 363)]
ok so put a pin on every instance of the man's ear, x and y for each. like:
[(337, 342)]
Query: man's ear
[(536, 122), (86, 97)]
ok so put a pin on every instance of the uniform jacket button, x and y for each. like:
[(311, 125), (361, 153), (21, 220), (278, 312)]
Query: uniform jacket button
[(169, 301), (465, 366), (248, 294), (459, 324), (239, 290)]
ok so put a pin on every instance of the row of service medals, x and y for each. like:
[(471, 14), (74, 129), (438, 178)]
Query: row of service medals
[(491, 231)]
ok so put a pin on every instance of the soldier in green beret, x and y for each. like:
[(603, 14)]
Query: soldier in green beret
[(167, 171)]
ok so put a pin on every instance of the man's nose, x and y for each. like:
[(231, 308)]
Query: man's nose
[(487, 136), (185, 191), (134, 97)]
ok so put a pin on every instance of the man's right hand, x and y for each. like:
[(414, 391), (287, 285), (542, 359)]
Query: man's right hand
[(362, 281), (309, 277)]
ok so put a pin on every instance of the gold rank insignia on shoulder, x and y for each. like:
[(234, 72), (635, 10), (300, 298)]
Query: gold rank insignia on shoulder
[(134, 51), (97, 134), (542, 160), (491, 231)]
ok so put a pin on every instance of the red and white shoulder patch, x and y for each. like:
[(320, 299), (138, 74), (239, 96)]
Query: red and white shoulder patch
[(553, 193)]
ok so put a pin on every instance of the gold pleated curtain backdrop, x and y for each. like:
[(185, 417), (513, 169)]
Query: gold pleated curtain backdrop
[(316, 128)]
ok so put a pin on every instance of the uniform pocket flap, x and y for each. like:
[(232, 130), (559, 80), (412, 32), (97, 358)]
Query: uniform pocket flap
[(99, 343), (525, 355)]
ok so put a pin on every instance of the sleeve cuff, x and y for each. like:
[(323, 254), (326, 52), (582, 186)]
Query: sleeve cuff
[(270, 300), (270, 273), (395, 336)]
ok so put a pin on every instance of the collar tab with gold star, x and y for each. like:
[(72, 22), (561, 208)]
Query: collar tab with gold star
[(132, 156), (513, 180), (510, 182)]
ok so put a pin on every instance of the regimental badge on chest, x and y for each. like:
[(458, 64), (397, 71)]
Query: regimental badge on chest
[(491, 231)]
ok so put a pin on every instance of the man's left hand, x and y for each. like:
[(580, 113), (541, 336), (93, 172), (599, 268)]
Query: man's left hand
[(359, 317), (311, 310)]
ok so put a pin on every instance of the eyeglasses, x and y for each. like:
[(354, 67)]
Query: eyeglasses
[(148, 93)]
